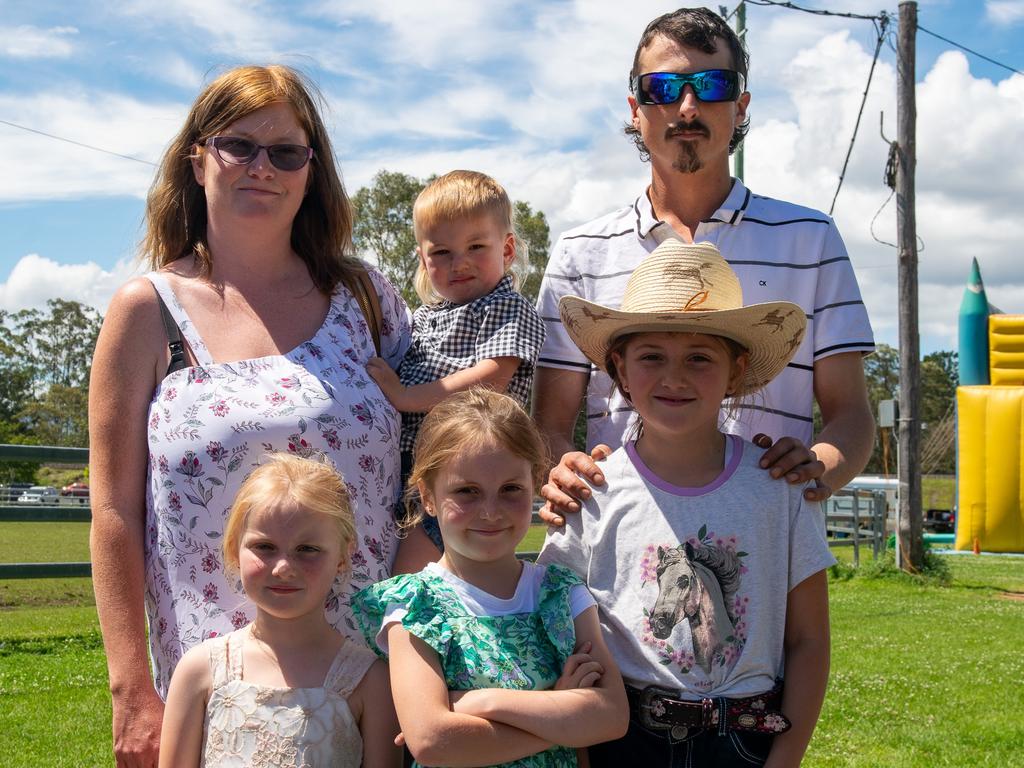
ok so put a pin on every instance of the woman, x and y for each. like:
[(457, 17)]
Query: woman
[(247, 227)]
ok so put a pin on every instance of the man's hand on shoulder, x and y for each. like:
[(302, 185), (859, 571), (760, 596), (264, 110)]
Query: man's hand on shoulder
[(565, 488), (789, 458)]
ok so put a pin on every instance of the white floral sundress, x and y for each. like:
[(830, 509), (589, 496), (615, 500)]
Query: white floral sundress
[(258, 726), (209, 426)]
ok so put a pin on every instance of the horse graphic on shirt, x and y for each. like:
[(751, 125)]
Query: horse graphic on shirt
[(697, 583)]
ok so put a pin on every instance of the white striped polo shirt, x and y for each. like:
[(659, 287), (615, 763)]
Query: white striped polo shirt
[(779, 251)]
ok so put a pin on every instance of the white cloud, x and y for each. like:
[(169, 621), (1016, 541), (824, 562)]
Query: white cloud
[(28, 42), (441, 32), (40, 168), (250, 30), (36, 279), (966, 127), (1004, 12), (174, 69), (966, 188)]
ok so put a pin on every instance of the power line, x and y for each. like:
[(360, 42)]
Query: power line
[(76, 143), (880, 27), (815, 11), (965, 48), (848, 15)]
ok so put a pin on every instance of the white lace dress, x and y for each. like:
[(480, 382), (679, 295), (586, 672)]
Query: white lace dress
[(257, 726), (210, 425)]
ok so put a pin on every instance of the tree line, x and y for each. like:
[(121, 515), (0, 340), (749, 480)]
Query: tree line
[(45, 359), (939, 377)]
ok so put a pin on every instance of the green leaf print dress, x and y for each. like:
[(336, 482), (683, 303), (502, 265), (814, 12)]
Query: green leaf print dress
[(523, 651)]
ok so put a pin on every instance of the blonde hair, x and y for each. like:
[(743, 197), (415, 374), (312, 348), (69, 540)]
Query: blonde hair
[(465, 421), (176, 204), (458, 195), (283, 478)]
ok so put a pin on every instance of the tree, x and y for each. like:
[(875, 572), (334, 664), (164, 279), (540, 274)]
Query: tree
[(882, 371), (60, 417), (54, 346), (949, 362), (939, 376), (383, 229), (45, 361), (536, 236), (15, 372)]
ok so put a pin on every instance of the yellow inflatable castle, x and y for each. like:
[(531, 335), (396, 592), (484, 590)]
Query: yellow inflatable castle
[(990, 426)]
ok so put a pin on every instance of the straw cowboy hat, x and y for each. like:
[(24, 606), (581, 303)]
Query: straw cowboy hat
[(689, 287)]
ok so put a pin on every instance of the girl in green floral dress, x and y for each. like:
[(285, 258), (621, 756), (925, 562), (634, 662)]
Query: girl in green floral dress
[(493, 660)]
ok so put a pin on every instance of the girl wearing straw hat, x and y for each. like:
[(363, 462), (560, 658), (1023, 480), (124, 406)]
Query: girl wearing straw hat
[(709, 575)]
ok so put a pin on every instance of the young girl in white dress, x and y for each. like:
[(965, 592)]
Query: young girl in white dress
[(709, 575), (288, 689), (493, 659)]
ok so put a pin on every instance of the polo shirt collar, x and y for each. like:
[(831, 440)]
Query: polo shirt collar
[(730, 212), (643, 213), (735, 205)]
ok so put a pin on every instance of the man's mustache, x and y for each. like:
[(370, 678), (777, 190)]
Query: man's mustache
[(694, 125)]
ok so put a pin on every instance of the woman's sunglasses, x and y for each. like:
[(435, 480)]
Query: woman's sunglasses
[(238, 151), (667, 87)]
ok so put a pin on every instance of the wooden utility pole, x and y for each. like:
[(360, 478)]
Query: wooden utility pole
[(911, 542)]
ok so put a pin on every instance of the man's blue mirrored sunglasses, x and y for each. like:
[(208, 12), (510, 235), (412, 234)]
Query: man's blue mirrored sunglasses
[(667, 87)]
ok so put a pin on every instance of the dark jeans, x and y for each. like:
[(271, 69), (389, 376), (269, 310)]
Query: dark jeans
[(699, 748), (429, 524)]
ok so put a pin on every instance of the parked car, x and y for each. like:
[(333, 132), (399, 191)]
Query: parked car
[(40, 494), (75, 490), (940, 520), (10, 493)]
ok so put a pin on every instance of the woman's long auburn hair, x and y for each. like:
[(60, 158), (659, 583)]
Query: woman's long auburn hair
[(176, 205)]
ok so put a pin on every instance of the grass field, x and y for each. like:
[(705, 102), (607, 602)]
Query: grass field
[(938, 492), (922, 674)]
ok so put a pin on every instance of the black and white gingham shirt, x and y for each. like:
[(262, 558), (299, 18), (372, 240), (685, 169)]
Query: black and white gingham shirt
[(450, 337)]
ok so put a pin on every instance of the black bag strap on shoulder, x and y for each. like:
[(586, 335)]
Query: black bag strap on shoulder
[(361, 286), (175, 343)]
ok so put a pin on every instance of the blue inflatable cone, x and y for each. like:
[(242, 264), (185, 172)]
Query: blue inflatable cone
[(974, 310)]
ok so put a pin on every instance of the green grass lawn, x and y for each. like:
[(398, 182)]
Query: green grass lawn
[(44, 542), (938, 492), (922, 675)]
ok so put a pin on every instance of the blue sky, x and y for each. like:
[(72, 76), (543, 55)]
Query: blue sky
[(531, 92)]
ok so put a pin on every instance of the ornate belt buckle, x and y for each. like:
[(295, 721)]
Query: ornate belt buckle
[(652, 709)]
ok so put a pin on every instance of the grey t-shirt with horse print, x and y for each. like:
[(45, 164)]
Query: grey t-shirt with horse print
[(691, 583)]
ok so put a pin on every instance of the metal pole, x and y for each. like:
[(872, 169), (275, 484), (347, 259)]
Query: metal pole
[(910, 533), (856, 528)]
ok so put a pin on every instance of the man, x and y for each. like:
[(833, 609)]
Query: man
[(687, 127)]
